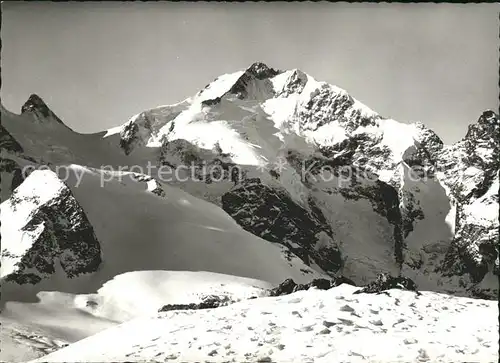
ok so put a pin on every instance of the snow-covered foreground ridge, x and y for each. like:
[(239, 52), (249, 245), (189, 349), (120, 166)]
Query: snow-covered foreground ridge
[(306, 326), (33, 329)]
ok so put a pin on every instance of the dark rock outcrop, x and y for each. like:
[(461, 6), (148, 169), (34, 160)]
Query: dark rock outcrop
[(36, 107), (386, 282), (459, 260), (271, 214), (258, 71), (8, 142), (7, 165), (470, 170), (129, 137), (60, 233), (326, 105), (14, 169), (208, 302), (289, 286)]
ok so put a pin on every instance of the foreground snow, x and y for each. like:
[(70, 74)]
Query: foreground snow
[(306, 326), (32, 330), (22, 342)]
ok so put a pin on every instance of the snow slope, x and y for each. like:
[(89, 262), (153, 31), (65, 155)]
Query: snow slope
[(140, 230), (306, 326), (31, 330), (23, 342), (140, 293)]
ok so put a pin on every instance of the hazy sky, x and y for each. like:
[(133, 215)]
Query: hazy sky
[(98, 64)]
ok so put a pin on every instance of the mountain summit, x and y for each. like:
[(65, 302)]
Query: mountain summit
[(260, 118), (262, 71), (37, 108)]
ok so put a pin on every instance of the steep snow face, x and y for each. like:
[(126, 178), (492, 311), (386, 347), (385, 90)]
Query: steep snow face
[(146, 127), (44, 225), (220, 86), (151, 127), (427, 233), (306, 326)]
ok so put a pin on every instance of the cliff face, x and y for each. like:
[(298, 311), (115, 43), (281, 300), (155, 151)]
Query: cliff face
[(46, 226)]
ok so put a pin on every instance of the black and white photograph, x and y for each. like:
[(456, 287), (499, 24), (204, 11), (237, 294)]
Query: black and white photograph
[(219, 182)]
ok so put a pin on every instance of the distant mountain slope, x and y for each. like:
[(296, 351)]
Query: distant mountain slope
[(130, 223), (304, 165)]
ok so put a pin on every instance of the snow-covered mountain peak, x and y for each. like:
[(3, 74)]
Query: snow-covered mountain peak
[(261, 103), (489, 117), (289, 82), (35, 102), (477, 152), (42, 114), (253, 83), (262, 71), (429, 140), (487, 128)]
